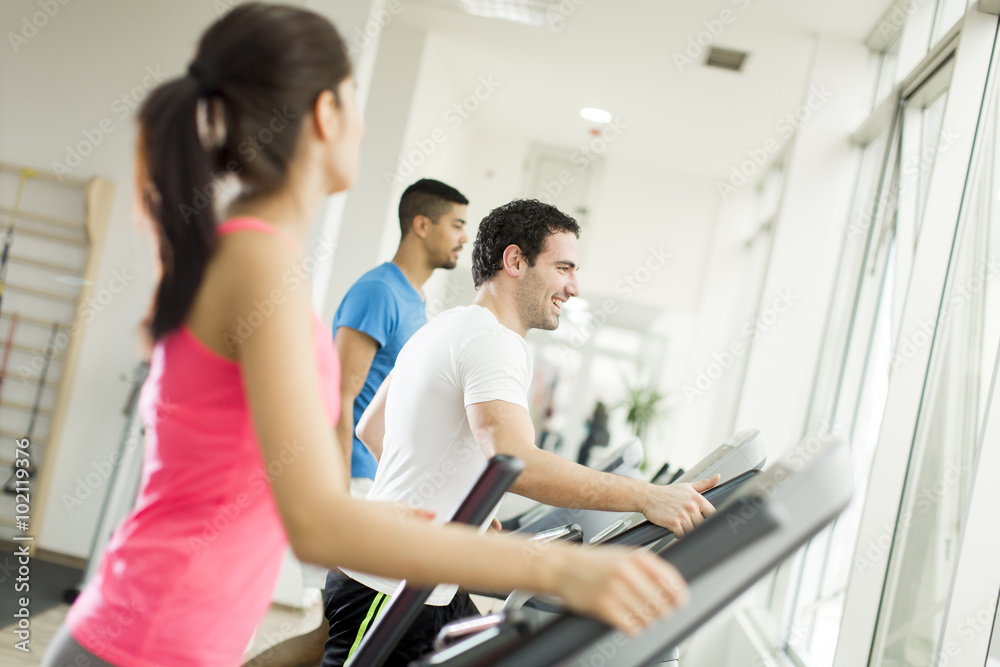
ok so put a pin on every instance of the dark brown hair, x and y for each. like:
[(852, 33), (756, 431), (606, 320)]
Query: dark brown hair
[(429, 198), (237, 113), (526, 223)]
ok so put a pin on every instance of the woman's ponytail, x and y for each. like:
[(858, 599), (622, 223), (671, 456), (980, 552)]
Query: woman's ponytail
[(179, 170), (237, 114)]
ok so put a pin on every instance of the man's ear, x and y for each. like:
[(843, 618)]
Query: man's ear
[(513, 261), (421, 225)]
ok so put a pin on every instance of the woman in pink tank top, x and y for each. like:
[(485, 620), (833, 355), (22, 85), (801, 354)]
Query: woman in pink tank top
[(243, 390)]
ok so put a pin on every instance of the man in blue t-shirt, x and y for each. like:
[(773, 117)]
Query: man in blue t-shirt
[(385, 307)]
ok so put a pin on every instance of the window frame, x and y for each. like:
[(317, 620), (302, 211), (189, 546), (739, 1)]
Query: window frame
[(971, 40)]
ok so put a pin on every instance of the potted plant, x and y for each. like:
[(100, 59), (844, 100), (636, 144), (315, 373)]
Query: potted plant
[(644, 406)]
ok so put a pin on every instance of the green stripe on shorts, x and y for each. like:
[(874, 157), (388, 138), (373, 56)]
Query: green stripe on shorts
[(379, 598)]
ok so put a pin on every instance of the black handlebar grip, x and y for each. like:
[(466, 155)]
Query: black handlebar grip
[(405, 606)]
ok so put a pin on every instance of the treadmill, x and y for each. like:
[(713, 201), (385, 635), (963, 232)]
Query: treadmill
[(761, 524), (642, 534), (743, 452), (485, 494), (740, 459)]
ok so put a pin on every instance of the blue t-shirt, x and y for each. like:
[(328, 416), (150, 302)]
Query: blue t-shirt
[(384, 305)]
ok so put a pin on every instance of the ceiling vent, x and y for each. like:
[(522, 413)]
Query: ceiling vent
[(726, 59)]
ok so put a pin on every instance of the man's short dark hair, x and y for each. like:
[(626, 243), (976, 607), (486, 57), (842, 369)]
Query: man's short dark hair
[(525, 223), (429, 198)]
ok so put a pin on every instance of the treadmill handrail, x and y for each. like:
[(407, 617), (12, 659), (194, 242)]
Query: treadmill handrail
[(644, 535), (562, 634), (648, 533), (456, 630), (690, 557), (743, 451), (756, 529), (407, 602)]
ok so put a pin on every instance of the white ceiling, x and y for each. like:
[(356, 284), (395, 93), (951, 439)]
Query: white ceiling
[(620, 56)]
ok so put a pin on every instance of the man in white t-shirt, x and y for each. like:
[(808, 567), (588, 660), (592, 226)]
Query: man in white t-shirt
[(458, 395)]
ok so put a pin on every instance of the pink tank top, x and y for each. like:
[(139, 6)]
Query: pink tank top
[(189, 573)]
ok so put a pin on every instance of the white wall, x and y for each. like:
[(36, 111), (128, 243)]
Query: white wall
[(636, 207), (64, 81), (819, 186), (642, 215), (640, 212), (435, 145), (782, 360), (710, 367), (391, 99)]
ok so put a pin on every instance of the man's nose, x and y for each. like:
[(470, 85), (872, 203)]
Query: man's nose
[(573, 287)]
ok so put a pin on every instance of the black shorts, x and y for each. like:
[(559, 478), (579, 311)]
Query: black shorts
[(352, 609)]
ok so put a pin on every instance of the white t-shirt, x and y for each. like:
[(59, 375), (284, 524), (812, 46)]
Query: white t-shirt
[(430, 458)]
